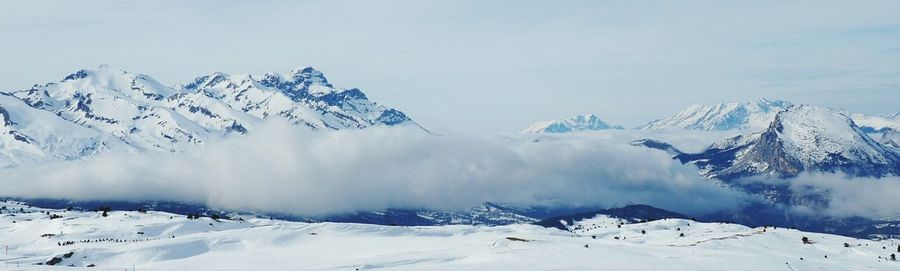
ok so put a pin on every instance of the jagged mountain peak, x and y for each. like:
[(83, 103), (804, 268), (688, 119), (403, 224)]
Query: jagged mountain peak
[(800, 138), (297, 84), (308, 74), (4, 117), (584, 122), (819, 135), (105, 72), (102, 69), (752, 115), (303, 92), (586, 117), (104, 80), (113, 108)]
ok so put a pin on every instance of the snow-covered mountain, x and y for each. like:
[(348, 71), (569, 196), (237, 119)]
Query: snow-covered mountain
[(877, 124), (29, 135), (755, 115), (303, 96), (105, 108), (586, 122), (891, 139), (752, 115), (801, 138)]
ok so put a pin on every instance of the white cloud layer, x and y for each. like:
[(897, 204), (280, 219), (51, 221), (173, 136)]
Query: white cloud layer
[(286, 169), (875, 198)]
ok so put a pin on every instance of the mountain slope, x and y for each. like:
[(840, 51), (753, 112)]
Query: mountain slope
[(891, 139), (723, 116), (630, 214), (133, 108), (586, 122), (877, 124), (30, 135), (112, 108), (304, 97), (801, 138)]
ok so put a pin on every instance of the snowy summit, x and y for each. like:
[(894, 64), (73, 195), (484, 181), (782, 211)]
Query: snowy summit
[(95, 110), (586, 122), (800, 138), (752, 115)]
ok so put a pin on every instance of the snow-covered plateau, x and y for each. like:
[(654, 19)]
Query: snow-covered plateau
[(50, 239)]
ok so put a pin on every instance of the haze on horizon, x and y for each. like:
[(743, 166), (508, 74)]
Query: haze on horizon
[(476, 66)]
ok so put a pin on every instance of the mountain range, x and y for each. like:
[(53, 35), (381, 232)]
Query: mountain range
[(106, 109), (100, 109), (800, 138), (722, 116), (782, 140), (754, 116), (749, 116)]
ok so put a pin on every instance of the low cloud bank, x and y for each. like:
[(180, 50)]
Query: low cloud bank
[(286, 169), (844, 196), (823, 194)]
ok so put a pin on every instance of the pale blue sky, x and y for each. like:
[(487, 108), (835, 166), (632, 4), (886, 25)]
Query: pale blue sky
[(486, 66)]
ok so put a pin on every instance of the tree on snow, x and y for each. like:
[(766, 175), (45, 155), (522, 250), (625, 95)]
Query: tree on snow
[(806, 240)]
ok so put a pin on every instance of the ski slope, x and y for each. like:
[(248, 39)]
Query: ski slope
[(163, 241)]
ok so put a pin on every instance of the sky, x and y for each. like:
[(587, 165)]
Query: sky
[(486, 66)]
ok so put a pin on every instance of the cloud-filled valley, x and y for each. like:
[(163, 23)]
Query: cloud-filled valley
[(288, 169), (449, 135)]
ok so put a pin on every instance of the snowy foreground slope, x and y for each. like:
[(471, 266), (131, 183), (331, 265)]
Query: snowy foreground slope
[(163, 241)]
